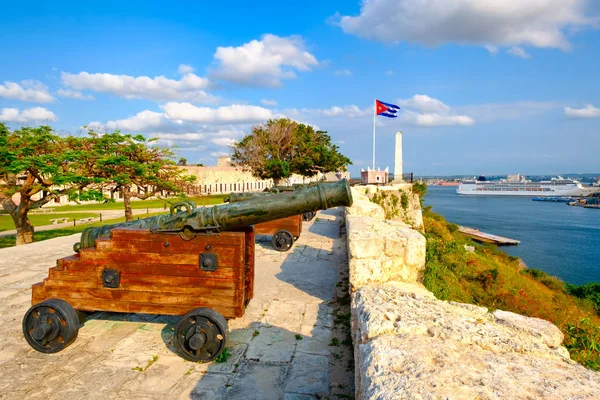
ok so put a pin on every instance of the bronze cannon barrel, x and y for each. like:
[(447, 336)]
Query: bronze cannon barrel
[(234, 215), (234, 197)]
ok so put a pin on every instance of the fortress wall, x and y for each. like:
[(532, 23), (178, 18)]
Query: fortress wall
[(409, 345)]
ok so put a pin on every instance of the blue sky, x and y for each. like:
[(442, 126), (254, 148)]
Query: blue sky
[(485, 87)]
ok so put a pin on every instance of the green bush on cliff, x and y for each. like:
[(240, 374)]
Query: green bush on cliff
[(491, 278)]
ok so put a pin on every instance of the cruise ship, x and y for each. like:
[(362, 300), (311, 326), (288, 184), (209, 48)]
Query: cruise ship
[(517, 185)]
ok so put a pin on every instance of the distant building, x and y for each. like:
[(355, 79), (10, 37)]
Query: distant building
[(371, 176), (336, 176)]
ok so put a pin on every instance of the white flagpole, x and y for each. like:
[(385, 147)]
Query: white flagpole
[(374, 114)]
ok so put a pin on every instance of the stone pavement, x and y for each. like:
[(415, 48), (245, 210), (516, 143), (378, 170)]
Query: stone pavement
[(285, 347)]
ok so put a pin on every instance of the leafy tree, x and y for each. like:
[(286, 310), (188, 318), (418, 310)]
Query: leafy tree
[(283, 147), (182, 162), (38, 166), (127, 164)]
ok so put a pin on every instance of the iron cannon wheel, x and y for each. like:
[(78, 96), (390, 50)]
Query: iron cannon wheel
[(50, 326), (308, 216), (282, 240), (200, 335)]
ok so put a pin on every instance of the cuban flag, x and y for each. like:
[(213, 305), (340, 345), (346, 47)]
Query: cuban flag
[(386, 109)]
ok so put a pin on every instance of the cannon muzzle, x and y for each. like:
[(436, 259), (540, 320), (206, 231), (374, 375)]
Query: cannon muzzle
[(232, 216)]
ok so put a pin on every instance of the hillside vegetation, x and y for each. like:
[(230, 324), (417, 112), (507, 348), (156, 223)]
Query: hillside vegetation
[(491, 278)]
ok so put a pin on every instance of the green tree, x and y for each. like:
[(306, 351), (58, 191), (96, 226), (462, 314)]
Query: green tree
[(128, 164), (182, 162), (283, 147), (38, 166)]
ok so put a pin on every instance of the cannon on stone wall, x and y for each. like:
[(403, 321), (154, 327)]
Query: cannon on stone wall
[(194, 262)]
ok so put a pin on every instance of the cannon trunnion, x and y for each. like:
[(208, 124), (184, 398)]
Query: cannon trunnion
[(198, 264)]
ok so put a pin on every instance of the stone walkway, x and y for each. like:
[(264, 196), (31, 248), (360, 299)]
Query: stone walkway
[(285, 347)]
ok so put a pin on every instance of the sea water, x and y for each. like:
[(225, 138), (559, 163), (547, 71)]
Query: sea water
[(561, 240)]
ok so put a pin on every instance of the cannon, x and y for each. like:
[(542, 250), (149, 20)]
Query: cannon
[(284, 231), (197, 263)]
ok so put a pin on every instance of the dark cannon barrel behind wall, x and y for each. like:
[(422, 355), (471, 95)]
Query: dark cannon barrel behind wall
[(235, 215)]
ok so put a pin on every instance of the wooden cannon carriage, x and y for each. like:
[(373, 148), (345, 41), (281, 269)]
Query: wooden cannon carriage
[(198, 264)]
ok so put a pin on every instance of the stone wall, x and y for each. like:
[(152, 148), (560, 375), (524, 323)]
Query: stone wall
[(409, 345)]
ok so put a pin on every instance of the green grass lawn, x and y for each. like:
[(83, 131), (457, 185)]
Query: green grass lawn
[(140, 204), (9, 241), (7, 224)]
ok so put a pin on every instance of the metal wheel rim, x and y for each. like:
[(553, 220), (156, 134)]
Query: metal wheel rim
[(47, 328), (208, 329), (283, 240)]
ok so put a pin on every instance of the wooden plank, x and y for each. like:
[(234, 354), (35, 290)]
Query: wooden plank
[(144, 282), (126, 234), (192, 270), (291, 224), (87, 304), (249, 276), (210, 296)]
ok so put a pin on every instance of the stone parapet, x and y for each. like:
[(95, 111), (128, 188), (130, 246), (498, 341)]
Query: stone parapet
[(409, 345)]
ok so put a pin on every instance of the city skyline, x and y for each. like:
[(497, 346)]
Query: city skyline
[(484, 88)]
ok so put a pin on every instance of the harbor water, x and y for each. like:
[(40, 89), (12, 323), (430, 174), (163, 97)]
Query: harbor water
[(560, 240)]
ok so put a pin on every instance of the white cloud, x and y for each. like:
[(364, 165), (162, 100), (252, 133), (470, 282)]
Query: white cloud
[(538, 23), (343, 72), (28, 90), (424, 103), (184, 69), (235, 113), (389, 72), (223, 141), (74, 94), (266, 102), (144, 121), (220, 154), (350, 111), (589, 111), (518, 52), (189, 87), (35, 114), (422, 110), (189, 137), (433, 120), (264, 62)]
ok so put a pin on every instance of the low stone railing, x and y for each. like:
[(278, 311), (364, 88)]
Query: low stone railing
[(409, 345)]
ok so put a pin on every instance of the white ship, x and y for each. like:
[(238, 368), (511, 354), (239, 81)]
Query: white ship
[(517, 185)]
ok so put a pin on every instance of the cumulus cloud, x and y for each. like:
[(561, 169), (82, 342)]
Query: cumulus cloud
[(270, 103), (223, 141), (188, 137), (235, 113), (144, 121), (74, 94), (184, 69), (343, 72), (537, 23), (348, 111), (35, 114), (518, 52), (433, 120), (264, 62), (189, 87), (28, 90), (589, 111), (424, 103), (422, 110)]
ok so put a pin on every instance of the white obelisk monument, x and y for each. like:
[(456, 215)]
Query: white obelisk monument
[(398, 159)]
